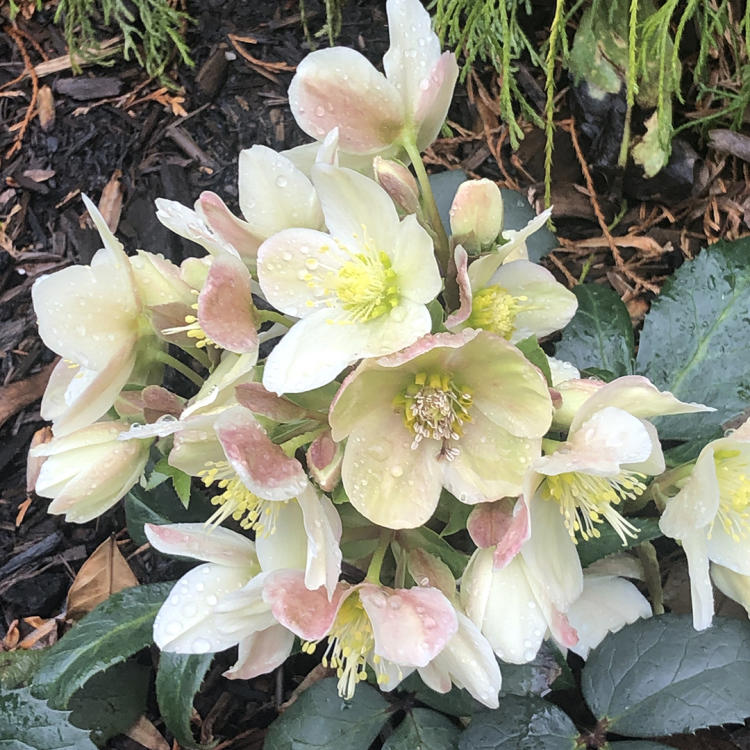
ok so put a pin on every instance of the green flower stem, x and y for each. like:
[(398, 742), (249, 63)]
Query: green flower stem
[(275, 317), (442, 251), (175, 364), (373, 570), (290, 446), (652, 574), (663, 487)]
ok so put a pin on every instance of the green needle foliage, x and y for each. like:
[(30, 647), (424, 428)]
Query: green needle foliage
[(151, 30)]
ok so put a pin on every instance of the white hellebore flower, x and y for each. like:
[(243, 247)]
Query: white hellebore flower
[(89, 470), (339, 88), (710, 516), (360, 291), (92, 317)]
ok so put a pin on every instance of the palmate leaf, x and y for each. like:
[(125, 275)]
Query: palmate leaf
[(320, 719), (28, 723), (660, 676), (521, 723), (694, 339), (115, 630)]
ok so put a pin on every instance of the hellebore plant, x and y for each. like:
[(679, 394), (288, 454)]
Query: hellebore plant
[(355, 377)]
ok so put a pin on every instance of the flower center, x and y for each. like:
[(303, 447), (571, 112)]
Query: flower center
[(733, 474), (193, 330), (238, 502), (434, 407), (367, 286), (586, 500), (349, 643), (494, 309)]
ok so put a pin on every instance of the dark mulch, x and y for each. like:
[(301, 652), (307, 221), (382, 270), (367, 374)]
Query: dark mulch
[(107, 130)]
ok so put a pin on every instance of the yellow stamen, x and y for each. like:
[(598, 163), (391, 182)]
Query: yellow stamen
[(435, 407), (494, 309), (193, 330), (586, 500), (238, 502), (367, 286)]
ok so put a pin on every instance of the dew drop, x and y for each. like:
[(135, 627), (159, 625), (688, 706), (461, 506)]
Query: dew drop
[(281, 181), (397, 471)]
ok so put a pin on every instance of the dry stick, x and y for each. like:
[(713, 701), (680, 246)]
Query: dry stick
[(28, 67), (600, 216), (572, 281), (33, 42)]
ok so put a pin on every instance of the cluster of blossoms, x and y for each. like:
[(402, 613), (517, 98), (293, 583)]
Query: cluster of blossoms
[(358, 385)]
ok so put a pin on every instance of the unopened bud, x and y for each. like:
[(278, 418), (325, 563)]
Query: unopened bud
[(324, 459), (476, 215), (398, 182)]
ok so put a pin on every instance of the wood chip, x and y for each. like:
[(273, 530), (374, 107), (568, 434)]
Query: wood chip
[(15, 396), (85, 89), (110, 204), (34, 463), (46, 108), (145, 733), (38, 175), (105, 573)]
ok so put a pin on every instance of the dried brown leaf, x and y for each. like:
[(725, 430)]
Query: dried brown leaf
[(145, 733), (105, 573), (15, 396), (110, 204), (39, 175), (46, 105), (34, 463)]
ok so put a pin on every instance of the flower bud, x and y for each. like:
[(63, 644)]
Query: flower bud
[(89, 470), (398, 182), (476, 215), (324, 459)]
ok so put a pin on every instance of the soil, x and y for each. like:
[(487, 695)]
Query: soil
[(114, 129)]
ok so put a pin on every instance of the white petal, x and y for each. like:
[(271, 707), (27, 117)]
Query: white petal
[(413, 257), (260, 653), (274, 194), (186, 622), (210, 544), (323, 528), (286, 547)]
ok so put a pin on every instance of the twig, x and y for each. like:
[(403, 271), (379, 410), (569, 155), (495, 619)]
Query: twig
[(21, 126)]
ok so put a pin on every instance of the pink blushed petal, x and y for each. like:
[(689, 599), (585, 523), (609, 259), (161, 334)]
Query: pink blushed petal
[(324, 457), (428, 570), (262, 465), (225, 306), (260, 653), (460, 316), (308, 614), (255, 397), (215, 545), (362, 104), (502, 525), (410, 626), (435, 96), (233, 231), (562, 631)]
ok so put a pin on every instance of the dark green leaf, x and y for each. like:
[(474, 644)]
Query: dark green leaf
[(517, 213), (319, 399), (17, 667), (609, 542), (535, 677), (660, 676), (180, 480), (28, 723), (600, 334), (111, 702), (320, 719), (694, 339), (635, 745), (177, 681), (423, 729), (688, 451), (535, 354), (444, 186), (452, 512), (161, 505), (115, 630), (456, 702), (521, 723), (433, 543)]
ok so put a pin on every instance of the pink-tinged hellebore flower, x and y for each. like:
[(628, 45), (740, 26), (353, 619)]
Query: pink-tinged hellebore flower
[(519, 300), (89, 470), (219, 604), (476, 214), (467, 661), (92, 317), (710, 516), (360, 291), (392, 630), (398, 182), (606, 604), (340, 88), (273, 195), (462, 411), (510, 607), (611, 449)]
